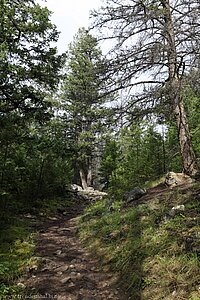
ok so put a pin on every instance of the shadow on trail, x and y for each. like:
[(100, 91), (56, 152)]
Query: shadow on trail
[(67, 271)]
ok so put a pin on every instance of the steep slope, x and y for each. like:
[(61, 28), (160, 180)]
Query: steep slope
[(153, 242)]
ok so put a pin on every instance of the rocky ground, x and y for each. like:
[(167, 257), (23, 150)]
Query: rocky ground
[(67, 271)]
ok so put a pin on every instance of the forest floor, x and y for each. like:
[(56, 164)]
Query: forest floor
[(75, 248), (67, 271)]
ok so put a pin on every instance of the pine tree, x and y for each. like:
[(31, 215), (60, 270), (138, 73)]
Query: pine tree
[(30, 66), (85, 112)]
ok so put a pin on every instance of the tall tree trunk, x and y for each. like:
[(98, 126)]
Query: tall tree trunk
[(89, 173), (86, 175), (175, 91), (186, 149), (163, 150), (83, 178)]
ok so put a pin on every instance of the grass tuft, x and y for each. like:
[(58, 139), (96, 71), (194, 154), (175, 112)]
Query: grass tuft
[(155, 254)]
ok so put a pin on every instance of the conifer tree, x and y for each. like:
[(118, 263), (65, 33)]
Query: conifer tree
[(83, 100), (30, 66)]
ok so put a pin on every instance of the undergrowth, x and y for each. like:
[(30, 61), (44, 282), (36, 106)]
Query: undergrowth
[(155, 253), (17, 244)]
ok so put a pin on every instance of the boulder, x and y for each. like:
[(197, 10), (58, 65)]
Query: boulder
[(75, 187), (176, 210), (92, 194), (173, 179), (134, 194)]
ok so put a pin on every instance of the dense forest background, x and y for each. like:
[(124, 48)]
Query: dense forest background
[(105, 121), (82, 121)]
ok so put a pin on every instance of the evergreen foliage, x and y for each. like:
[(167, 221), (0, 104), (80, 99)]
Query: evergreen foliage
[(29, 64), (36, 161), (84, 101), (60, 129), (140, 157)]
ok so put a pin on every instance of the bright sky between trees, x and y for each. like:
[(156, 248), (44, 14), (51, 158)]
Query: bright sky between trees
[(69, 16)]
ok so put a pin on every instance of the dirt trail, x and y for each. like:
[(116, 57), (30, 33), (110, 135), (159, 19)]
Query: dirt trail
[(68, 271)]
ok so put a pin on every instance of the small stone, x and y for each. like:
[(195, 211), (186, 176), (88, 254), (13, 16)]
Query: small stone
[(29, 216), (71, 266), (116, 293), (176, 209), (21, 285), (174, 293), (73, 273), (54, 228), (65, 280), (33, 268), (53, 218), (45, 269), (71, 284), (62, 268), (62, 255), (58, 252), (73, 270), (179, 207), (64, 229), (59, 273)]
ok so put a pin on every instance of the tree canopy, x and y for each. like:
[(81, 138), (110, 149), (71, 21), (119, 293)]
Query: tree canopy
[(84, 104), (156, 46), (30, 66)]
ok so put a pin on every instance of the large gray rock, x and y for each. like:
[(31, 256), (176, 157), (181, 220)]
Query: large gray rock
[(134, 194)]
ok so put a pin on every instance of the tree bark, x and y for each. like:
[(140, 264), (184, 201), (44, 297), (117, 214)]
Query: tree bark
[(186, 149), (175, 90), (83, 178), (89, 173), (86, 174)]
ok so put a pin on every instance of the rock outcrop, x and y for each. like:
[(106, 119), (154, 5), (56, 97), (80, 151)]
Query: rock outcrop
[(173, 179), (92, 195), (89, 194)]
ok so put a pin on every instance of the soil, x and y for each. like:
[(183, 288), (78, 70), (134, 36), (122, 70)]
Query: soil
[(67, 270)]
